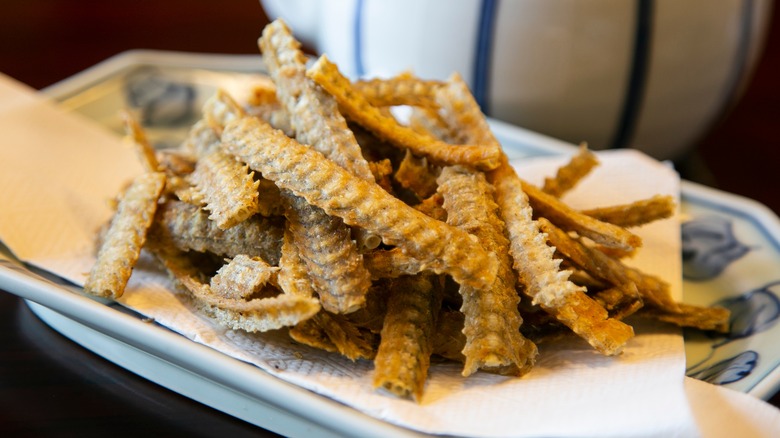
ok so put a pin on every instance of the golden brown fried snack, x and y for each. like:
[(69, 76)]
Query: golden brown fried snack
[(269, 199), (538, 272), (402, 361), (403, 89), (702, 318), (329, 254), (242, 277), (636, 213), (433, 206), (416, 175), (619, 301), (258, 315), (439, 247), (492, 321), (201, 139), (653, 290), (357, 108), (189, 228), (348, 339), (310, 333), (227, 188), (315, 118), (429, 122), (390, 263), (570, 174), (569, 219), (322, 242), (146, 153), (313, 113), (293, 278), (220, 109), (175, 164), (125, 237), (448, 338)]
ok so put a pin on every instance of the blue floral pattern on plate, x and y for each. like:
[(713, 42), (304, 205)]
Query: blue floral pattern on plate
[(708, 247), (161, 101), (727, 262)]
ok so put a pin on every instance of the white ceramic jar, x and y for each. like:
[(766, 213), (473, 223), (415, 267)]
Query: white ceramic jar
[(649, 74)]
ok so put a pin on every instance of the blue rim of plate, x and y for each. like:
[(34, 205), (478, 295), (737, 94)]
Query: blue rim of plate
[(731, 245)]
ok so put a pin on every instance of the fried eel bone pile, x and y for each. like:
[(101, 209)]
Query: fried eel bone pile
[(311, 208)]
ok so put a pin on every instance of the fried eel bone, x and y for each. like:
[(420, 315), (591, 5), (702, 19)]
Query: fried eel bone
[(402, 361), (440, 247), (125, 237), (357, 108)]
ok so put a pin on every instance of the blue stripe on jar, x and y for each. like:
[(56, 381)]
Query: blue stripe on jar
[(637, 80), (357, 37), (483, 54)]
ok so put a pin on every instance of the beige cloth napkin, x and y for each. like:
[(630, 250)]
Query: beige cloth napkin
[(57, 171)]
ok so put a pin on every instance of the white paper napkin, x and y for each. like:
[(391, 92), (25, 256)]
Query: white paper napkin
[(57, 170)]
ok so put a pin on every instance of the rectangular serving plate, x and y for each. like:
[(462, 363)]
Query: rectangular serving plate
[(247, 392)]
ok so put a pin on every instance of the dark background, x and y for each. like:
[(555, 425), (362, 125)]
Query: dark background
[(45, 41)]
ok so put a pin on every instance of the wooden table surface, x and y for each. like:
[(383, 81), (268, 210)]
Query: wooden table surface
[(50, 386)]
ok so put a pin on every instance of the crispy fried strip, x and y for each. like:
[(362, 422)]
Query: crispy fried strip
[(174, 165), (227, 188), (402, 361), (703, 318), (371, 316), (315, 118), (636, 213), (654, 291), (242, 277), (258, 315), (348, 339), (461, 116), (619, 301), (189, 228), (403, 89), (571, 173), (382, 170), (569, 219), (328, 251), (539, 273), (310, 333), (125, 237), (492, 321), (442, 248), (448, 339), (263, 103), (313, 114), (220, 109), (176, 162), (416, 175), (146, 154), (201, 138), (432, 206), (390, 263), (323, 242), (357, 108), (293, 278), (269, 199), (429, 122)]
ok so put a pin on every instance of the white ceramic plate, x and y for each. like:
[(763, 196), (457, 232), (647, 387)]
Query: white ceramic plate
[(731, 254)]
